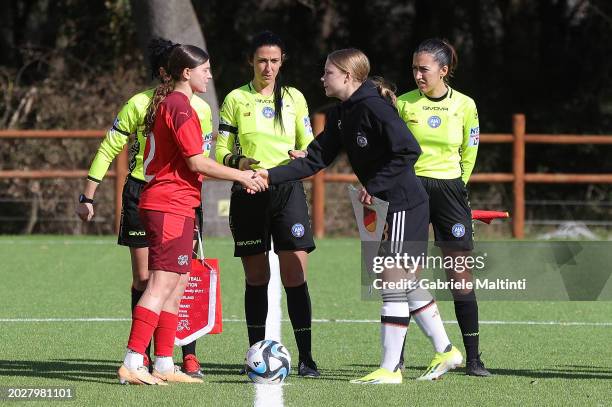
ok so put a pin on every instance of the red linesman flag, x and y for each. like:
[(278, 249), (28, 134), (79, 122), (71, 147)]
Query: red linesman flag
[(200, 308), (488, 216)]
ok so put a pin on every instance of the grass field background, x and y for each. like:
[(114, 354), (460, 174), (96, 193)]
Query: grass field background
[(87, 277)]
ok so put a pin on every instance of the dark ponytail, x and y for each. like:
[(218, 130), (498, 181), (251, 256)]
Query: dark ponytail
[(385, 88), (159, 50), (181, 57), (443, 53), (269, 38)]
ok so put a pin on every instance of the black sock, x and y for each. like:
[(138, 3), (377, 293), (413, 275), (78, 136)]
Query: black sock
[(256, 311), (300, 314), (466, 311), (136, 294), (189, 349)]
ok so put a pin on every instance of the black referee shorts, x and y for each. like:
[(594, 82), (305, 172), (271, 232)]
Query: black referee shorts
[(131, 230), (281, 212), (450, 213)]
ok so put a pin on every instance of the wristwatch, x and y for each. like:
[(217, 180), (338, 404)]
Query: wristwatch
[(84, 199)]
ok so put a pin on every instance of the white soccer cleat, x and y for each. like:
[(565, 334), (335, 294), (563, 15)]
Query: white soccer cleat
[(442, 363)]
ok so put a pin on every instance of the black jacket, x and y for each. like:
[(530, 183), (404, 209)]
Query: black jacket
[(380, 148)]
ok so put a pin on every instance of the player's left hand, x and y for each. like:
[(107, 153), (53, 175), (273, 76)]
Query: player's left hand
[(85, 211), (293, 154), (364, 197)]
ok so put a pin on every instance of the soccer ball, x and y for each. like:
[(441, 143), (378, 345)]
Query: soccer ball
[(267, 362)]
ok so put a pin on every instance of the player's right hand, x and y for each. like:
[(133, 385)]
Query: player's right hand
[(252, 182), (245, 163), (85, 211)]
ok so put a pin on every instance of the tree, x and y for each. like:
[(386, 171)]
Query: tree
[(176, 21)]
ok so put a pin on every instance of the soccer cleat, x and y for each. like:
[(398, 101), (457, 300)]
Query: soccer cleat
[(380, 376), (475, 367), (138, 376), (191, 366), (176, 376), (308, 368), (442, 363)]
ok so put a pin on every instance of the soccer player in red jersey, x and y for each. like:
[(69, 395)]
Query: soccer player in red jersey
[(173, 169)]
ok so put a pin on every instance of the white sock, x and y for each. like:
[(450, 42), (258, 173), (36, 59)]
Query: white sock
[(164, 363), (133, 360), (392, 334), (428, 319)]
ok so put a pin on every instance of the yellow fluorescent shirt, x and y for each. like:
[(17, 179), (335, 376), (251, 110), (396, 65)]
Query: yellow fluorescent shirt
[(129, 124), (247, 126), (447, 130)]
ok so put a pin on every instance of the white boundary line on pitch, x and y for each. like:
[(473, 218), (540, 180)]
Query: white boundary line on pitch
[(321, 321), (270, 395)]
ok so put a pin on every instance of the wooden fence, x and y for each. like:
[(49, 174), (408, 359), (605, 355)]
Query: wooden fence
[(518, 177)]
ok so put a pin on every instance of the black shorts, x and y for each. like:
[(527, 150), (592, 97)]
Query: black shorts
[(131, 229), (281, 212), (450, 213), (406, 231)]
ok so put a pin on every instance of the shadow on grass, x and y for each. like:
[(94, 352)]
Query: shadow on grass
[(76, 370), (557, 372), (87, 370), (104, 371)]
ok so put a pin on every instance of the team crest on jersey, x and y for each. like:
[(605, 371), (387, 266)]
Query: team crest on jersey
[(307, 125), (458, 230), (183, 259), (434, 121), (297, 230), (361, 140), (268, 112)]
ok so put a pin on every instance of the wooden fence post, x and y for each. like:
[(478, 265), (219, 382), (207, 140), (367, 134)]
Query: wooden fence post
[(518, 168)]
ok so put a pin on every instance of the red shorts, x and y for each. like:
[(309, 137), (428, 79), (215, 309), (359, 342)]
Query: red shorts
[(170, 239)]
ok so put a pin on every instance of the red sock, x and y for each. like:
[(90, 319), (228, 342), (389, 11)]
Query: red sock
[(165, 333), (144, 322)]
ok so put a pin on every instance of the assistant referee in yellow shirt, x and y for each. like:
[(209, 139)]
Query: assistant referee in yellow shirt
[(445, 123)]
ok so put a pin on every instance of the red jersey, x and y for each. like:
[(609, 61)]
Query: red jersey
[(171, 186)]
